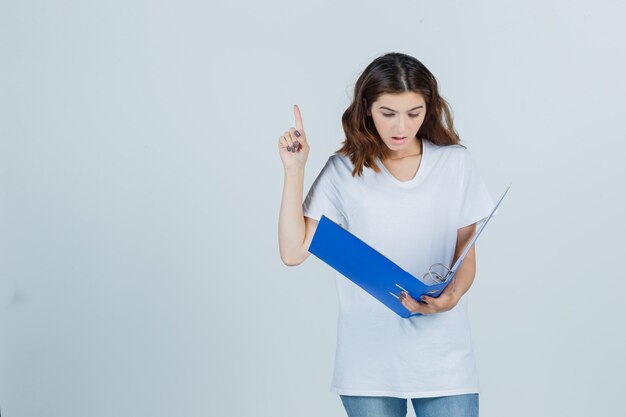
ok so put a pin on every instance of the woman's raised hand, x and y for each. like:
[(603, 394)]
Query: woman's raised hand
[(293, 146)]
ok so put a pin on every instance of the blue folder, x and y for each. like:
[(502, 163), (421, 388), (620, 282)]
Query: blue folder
[(367, 267), (374, 272)]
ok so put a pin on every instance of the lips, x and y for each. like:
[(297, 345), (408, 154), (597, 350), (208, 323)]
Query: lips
[(398, 137)]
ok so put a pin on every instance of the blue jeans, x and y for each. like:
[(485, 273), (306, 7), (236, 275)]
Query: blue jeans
[(465, 405)]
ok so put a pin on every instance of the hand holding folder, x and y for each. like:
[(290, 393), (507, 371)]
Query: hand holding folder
[(375, 273)]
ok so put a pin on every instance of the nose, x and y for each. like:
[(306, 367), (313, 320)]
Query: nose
[(402, 122)]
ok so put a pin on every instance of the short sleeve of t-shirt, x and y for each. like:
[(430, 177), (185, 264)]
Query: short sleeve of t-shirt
[(476, 204), (323, 197)]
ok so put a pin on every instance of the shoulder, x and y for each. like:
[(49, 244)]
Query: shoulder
[(457, 149), (340, 164), (337, 169), (339, 159), (449, 154)]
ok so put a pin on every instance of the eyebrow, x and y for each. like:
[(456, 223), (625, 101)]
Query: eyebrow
[(414, 108)]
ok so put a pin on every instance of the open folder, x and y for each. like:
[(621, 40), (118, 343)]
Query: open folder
[(374, 272)]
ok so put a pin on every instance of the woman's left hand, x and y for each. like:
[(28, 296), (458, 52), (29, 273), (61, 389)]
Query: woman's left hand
[(430, 305)]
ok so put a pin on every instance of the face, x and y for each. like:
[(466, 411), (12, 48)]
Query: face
[(397, 118)]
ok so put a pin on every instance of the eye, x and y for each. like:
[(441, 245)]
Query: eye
[(393, 114)]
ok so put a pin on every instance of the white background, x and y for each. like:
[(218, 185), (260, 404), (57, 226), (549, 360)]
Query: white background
[(140, 185)]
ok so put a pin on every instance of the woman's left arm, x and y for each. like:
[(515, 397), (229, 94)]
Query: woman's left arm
[(461, 282)]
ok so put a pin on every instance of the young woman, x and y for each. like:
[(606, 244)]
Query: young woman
[(402, 183)]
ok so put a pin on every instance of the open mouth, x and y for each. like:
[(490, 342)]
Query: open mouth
[(399, 139)]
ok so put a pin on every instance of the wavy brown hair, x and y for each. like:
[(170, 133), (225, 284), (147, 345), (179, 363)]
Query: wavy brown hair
[(392, 73)]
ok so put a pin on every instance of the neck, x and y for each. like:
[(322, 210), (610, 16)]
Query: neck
[(415, 149)]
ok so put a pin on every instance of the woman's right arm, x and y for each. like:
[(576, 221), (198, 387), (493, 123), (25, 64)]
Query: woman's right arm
[(295, 231)]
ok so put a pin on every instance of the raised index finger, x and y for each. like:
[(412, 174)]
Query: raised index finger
[(296, 112)]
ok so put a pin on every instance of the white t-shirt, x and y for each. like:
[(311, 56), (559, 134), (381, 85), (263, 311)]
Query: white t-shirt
[(414, 223)]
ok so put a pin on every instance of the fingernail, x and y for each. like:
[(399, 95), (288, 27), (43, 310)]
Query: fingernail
[(296, 144), (297, 133), (289, 148)]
